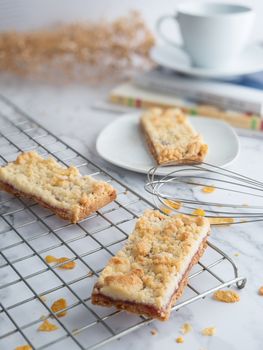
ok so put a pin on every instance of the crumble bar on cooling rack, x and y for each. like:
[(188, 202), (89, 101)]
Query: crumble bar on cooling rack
[(171, 138), (150, 272), (63, 190)]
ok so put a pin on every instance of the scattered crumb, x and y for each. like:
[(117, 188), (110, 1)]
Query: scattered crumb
[(209, 331), (199, 212), (43, 317), (179, 340), (166, 210), (154, 332), (226, 296), (43, 298), (237, 254), (208, 189), (67, 266), (221, 221), (58, 305), (245, 205), (173, 204), (23, 347), (90, 273), (47, 326), (186, 328), (260, 291)]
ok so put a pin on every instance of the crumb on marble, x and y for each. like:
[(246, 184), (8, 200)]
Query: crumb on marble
[(58, 305), (209, 331), (154, 331), (226, 296), (237, 254), (90, 273), (179, 340), (24, 347), (260, 290), (186, 328), (47, 326)]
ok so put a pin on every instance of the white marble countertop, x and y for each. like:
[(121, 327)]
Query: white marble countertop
[(66, 111)]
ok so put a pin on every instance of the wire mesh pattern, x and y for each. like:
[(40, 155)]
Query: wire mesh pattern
[(28, 233)]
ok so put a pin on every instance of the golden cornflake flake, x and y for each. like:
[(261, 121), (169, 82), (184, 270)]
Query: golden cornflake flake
[(226, 296)]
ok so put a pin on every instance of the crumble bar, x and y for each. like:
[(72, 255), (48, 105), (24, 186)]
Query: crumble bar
[(150, 272), (63, 190), (171, 138)]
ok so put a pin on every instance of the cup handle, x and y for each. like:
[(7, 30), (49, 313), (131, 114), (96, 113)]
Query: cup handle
[(160, 32)]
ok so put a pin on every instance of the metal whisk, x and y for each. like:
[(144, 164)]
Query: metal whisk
[(224, 196)]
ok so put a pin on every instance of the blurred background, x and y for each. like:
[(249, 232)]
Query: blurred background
[(30, 14)]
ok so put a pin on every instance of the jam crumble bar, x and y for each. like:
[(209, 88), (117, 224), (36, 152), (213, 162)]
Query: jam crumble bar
[(171, 138), (63, 190), (150, 272)]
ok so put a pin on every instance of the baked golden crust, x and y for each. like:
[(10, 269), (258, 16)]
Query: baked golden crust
[(63, 190), (149, 274), (171, 138)]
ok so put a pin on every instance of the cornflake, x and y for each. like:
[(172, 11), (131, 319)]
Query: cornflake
[(260, 291), (199, 212), (209, 331), (58, 305), (208, 189), (23, 347), (47, 326), (226, 296)]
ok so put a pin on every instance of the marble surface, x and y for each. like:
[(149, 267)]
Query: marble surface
[(67, 111)]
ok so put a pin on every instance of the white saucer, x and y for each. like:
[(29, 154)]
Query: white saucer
[(250, 61), (122, 143)]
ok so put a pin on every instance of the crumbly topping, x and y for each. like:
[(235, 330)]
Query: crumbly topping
[(208, 189), (186, 328), (47, 326), (173, 137), (66, 264), (153, 257), (226, 296), (56, 185), (209, 331), (23, 347), (260, 291), (179, 340), (58, 305)]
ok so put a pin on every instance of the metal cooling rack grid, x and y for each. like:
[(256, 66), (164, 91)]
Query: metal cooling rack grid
[(28, 285)]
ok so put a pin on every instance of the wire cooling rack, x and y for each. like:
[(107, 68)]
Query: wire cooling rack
[(29, 286)]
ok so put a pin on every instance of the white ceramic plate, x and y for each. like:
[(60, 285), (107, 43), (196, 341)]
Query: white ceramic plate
[(122, 143), (250, 61)]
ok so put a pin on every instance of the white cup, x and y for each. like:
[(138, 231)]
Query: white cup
[(214, 34)]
